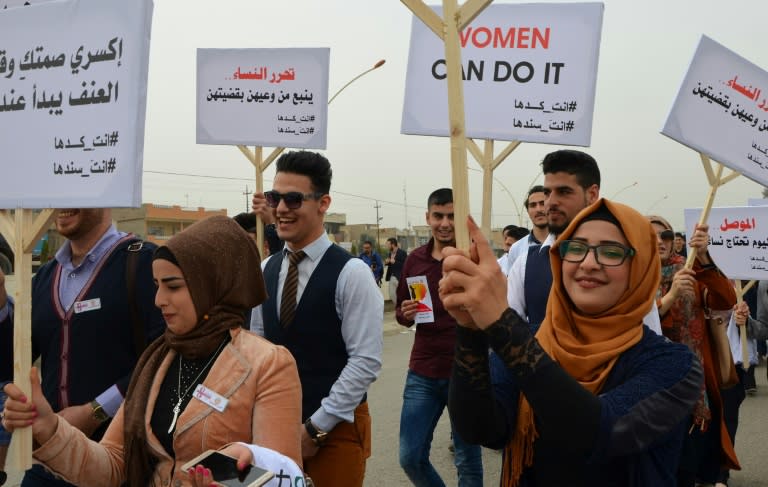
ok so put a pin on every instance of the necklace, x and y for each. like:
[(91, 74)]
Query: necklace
[(177, 407)]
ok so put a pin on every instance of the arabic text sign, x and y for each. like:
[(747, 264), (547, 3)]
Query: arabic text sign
[(263, 97), (738, 239), (722, 110), (73, 79), (529, 74)]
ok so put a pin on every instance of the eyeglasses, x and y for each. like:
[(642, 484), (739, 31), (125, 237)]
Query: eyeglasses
[(292, 199), (609, 255)]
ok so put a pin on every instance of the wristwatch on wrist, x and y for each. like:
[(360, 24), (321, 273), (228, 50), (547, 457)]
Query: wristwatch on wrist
[(98, 412), (317, 435)]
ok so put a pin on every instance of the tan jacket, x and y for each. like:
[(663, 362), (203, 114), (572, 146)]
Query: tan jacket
[(259, 379)]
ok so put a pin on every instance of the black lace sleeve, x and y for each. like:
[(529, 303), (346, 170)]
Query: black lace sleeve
[(471, 403), (546, 385)]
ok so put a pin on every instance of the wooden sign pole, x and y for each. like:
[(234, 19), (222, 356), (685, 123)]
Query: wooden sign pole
[(716, 180), (260, 165), (489, 163), (22, 231), (448, 28), (740, 292)]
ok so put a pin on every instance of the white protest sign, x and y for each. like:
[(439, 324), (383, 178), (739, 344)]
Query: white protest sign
[(757, 202), (721, 110), (529, 74), (738, 239), (73, 82), (263, 97)]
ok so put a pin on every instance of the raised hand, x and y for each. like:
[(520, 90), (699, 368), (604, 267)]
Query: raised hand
[(473, 288), (22, 412)]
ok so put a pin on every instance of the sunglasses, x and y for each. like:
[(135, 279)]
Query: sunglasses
[(667, 235), (292, 199)]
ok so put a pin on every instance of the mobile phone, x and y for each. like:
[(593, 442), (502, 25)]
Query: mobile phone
[(225, 472)]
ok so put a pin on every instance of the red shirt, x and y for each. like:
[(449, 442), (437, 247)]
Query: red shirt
[(432, 353)]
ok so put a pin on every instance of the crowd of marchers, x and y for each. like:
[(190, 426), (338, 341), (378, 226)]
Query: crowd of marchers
[(586, 353)]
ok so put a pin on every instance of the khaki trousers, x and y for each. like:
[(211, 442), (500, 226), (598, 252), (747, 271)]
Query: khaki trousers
[(340, 462)]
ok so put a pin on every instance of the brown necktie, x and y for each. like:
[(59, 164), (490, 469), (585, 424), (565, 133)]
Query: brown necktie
[(288, 301)]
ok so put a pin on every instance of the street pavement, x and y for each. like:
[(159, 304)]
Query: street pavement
[(385, 400)]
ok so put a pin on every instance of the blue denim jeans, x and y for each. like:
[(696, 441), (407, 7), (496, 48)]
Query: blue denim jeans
[(424, 400)]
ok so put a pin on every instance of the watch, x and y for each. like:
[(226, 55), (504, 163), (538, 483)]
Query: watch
[(98, 412), (317, 435)]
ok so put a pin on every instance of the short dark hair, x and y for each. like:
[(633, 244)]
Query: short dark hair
[(575, 162), (311, 164), (368, 242), (441, 196), (535, 189), (247, 221), (514, 231), (393, 241), (680, 234)]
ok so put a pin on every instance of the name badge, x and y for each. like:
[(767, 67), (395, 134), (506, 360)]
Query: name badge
[(88, 305), (211, 398)]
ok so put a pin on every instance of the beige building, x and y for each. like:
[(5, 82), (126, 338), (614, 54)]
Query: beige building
[(157, 223)]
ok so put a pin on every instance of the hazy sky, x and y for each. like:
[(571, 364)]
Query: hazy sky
[(645, 51)]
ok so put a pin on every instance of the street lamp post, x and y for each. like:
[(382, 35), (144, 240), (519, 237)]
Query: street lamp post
[(622, 190), (656, 203), (375, 66)]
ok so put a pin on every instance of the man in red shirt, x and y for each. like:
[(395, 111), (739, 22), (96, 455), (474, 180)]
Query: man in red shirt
[(426, 385)]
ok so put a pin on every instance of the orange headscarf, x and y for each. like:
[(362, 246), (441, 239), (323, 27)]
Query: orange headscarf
[(587, 347)]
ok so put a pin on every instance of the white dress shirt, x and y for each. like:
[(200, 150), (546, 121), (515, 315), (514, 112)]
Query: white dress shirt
[(360, 305)]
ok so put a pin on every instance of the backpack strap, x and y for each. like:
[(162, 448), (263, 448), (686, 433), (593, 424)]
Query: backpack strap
[(131, 263)]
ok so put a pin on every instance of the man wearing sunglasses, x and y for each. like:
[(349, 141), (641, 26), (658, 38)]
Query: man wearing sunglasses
[(571, 183), (325, 308)]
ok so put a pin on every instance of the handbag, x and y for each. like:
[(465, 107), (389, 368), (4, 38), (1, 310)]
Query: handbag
[(717, 321)]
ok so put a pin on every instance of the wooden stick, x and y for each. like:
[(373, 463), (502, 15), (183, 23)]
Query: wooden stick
[(730, 177), (485, 223), (714, 184), (505, 152), (475, 150), (748, 286), (427, 15), (38, 227), (456, 124), (488, 163), (247, 153), (742, 329), (469, 11), (448, 29), (21, 444), (271, 157)]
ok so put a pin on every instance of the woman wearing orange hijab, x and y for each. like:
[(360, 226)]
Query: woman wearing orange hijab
[(595, 398)]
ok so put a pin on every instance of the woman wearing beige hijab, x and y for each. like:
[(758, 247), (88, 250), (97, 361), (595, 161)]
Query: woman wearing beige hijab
[(205, 384)]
